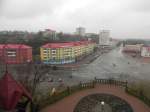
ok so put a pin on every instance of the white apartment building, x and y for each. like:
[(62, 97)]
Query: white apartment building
[(104, 37), (49, 33), (145, 52), (80, 31)]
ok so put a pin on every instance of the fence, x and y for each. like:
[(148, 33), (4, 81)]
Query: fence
[(81, 86), (90, 84), (111, 82), (87, 85), (139, 94)]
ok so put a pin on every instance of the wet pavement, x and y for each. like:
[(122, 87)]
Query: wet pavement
[(109, 65), (68, 104), (115, 64)]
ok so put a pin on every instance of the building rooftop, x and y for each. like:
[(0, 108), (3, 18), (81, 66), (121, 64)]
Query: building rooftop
[(65, 44), (10, 88), (13, 46)]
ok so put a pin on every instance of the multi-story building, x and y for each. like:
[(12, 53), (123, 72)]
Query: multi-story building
[(132, 48), (145, 51), (80, 31), (93, 37), (69, 52), (104, 37), (15, 53), (57, 53), (49, 33)]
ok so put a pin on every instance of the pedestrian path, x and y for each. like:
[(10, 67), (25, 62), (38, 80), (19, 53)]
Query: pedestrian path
[(68, 104)]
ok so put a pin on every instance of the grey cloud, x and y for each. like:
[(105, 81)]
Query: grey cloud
[(125, 18), (142, 6), (28, 8)]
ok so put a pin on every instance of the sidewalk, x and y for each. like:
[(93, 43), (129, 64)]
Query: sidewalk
[(68, 104), (86, 60)]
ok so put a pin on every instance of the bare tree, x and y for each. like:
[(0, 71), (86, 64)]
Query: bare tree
[(31, 75), (23, 74), (38, 76)]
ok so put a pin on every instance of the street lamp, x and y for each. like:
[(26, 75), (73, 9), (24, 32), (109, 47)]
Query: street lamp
[(102, 106)]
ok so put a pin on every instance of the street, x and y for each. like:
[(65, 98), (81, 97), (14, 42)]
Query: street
[(110, 65), (115, 64)]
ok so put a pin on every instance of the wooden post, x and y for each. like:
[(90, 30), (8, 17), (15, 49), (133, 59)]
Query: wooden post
[(95, 79), (126, 86), (80, 85), (68, 90), (93, 84)]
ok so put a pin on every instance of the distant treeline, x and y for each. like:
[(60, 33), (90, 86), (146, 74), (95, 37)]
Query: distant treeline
[(36, 40), (137, 41)]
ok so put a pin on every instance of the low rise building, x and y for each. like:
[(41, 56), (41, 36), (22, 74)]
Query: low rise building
[(57, 53), (80, 31), (68, 52), (15, 53), (132, 48), (104, 38), (145, 51), (49, 33)]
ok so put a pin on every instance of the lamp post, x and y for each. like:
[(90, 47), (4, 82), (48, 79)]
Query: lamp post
[(102, 106)]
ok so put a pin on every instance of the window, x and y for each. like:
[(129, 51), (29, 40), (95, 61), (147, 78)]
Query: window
[(67, 55), (45, 57), (53, 51), (53, 58), (11, 53), (45, 51)]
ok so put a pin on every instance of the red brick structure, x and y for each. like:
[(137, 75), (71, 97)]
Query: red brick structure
[(11, 92), (68, 104), (15, 53)]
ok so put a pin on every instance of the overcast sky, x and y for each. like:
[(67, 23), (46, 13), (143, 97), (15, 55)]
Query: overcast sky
[(125, 18)]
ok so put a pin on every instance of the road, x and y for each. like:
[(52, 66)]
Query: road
[(126, 68), (115, 64)]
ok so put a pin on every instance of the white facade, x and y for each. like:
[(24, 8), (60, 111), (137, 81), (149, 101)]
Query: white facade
[(104, 37), (132, 48), (80, 31), (50, 33), (145, 52)]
